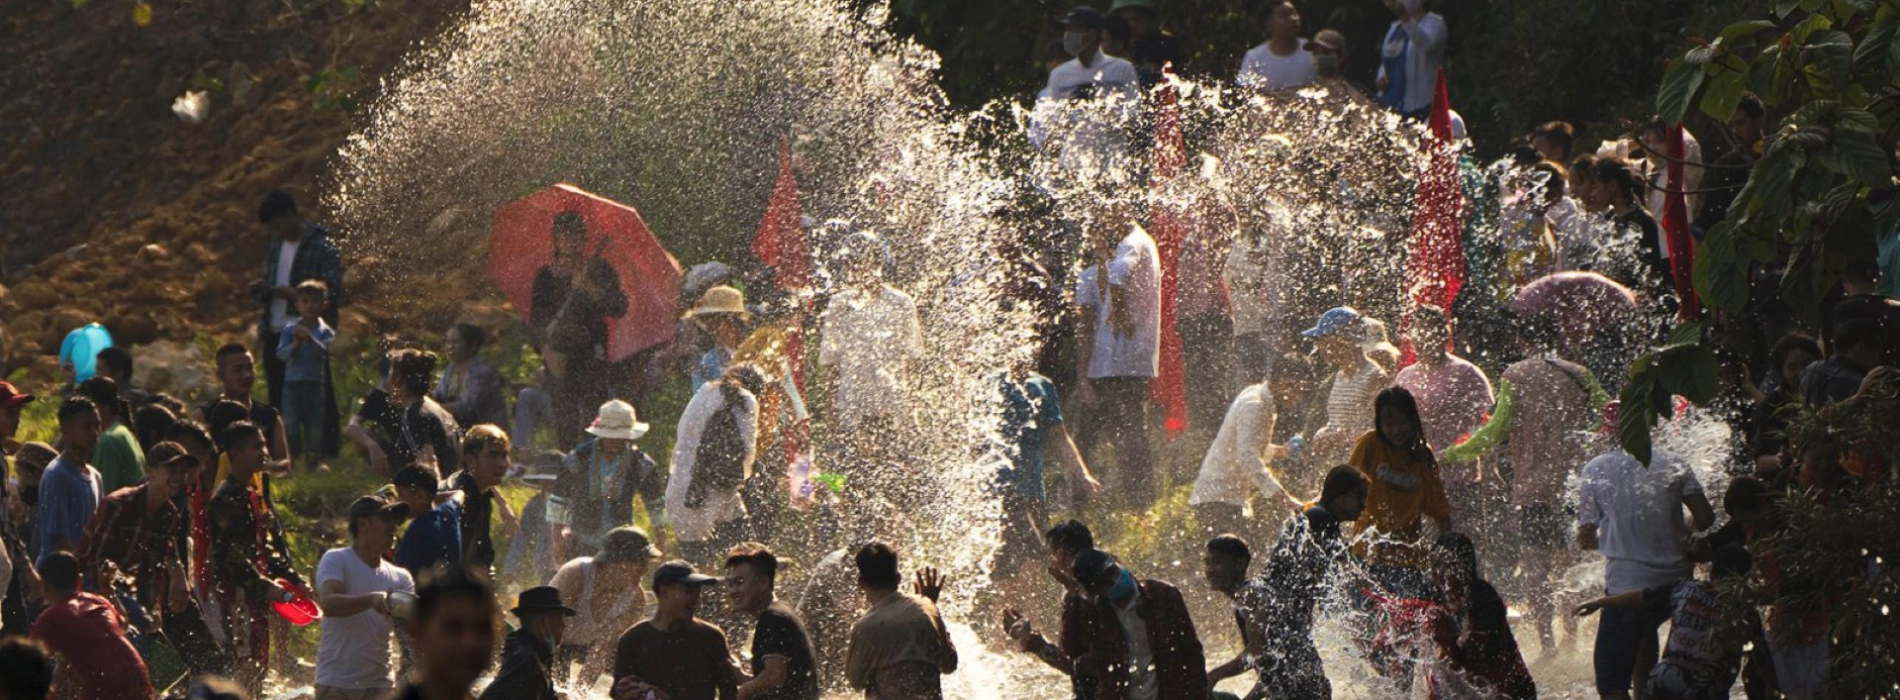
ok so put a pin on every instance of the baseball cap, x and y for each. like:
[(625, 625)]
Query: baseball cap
[(1083, 18), (11, 397), (1334, 320), (374, 505), (679, 572)]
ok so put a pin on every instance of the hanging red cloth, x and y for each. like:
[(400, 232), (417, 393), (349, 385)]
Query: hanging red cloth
[(1675, 226), (1435, 252), (1169, 225)]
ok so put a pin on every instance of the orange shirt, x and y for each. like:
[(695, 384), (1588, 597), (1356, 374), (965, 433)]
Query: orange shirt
[(1406, 489)]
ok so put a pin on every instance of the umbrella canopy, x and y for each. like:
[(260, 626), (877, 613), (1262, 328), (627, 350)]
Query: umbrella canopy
[(1582, 302), (522, 243)]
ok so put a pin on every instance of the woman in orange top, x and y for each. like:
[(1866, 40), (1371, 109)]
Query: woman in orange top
[(1406, 489)]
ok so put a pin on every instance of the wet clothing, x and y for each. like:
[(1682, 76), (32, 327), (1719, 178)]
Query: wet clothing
[(1030, 410), (1637, 511), (432, 544), (1543, 403), (353, 650), (1406, 489), (384, 422), (899, 650), (69, 493), (1484, 660), (122, 542), (1236, 464), (1452, 397), (692, 662), (248, 553), (1708, 636), (427, 423), (1280, 603), (526, 663), (1095, 636), (870, 339), (595, 494), (90, 634), (781, 633)]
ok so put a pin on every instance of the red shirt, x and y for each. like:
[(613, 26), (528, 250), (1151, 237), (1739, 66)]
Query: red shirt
[(89, 632)]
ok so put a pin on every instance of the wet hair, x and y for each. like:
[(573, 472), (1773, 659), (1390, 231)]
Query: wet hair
[(1397, 397), (115, 362), (483, 436), (276, 204), (1790, 344), (26, 668), (1342, 480), (150, 421), (757, 556), (1459, 546), (187, 432), (877, 567), (313, 288), (1731, 560), (1752, 106), (1855, 333), (75, 406), (1556, 179), (1232, 547), (1070, 536), (1619, 173), (453, 585), (238, 434), (472, 335), (1560, 132), (229, 350), (414, 370), (59, 571)]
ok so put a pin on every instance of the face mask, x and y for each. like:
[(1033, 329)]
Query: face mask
[(1072, 42), (1326, 65), (1124, 587)]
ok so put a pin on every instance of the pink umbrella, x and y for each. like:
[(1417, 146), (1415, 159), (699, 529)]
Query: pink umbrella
[(1580, 301)]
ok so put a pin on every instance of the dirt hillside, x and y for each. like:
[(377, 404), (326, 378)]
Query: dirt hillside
[(113, 208)]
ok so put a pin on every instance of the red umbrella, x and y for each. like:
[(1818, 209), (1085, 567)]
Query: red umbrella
[(523, 243)]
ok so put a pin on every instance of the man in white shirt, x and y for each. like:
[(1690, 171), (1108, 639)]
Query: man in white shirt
[(1410, 56), (868, 338), (1282, 62), (353, 588), (1236, 466), (1083, 114), (1633, 515), (1118, 358)]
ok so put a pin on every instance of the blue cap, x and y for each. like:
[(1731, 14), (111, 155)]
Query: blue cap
[(1332, 321)]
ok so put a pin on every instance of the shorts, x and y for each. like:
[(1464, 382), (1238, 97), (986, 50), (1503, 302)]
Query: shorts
[(1542, 526), (1620, 632)]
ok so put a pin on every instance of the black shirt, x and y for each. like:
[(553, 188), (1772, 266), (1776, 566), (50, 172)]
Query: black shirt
[(385, 421), (478, 504), (428, 423), (781, 633)]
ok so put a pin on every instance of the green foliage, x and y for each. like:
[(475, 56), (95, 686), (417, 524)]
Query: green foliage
[(1826, 69), (333, 88)]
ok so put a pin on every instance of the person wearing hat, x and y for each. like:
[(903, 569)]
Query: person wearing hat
[(607, 591), (1083, 138), (674, 652), (131, 537), (722, 314), (598, 482), (528, 652), (1281, 62), (432, 545), (1165, 663), (1339, 335), (1149, 47), (13, 552), (353, 588)]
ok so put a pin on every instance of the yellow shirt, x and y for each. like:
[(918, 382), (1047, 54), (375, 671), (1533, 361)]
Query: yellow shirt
[(1406, 489)]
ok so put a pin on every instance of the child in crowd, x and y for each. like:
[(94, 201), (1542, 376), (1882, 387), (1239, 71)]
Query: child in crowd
[(304, 348), (1709, 629)]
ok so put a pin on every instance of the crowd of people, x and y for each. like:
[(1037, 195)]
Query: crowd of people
[(1413, 490)]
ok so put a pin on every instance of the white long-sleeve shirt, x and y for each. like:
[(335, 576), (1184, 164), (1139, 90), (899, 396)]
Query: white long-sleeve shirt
[(1423, 56), (1236, 463)]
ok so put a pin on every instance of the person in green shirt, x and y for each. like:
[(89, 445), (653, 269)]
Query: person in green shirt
[(118, 456)]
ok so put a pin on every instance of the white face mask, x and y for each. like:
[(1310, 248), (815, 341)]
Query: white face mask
[(1073, 42)]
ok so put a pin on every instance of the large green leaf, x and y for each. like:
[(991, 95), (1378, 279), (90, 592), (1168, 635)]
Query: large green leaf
[(1771, 181), (1744, 28), (1853, 153), (1721, 279), (1829, 60), (1680, 81), (1724, 93), (1873, 57), (1634, 419), (1808, 26)]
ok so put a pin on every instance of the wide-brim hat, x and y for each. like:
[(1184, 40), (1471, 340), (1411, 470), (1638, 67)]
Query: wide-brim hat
[(616, 420), (540, 599), (721, 299)]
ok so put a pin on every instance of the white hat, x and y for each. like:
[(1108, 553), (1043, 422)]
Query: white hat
[(616, 421)]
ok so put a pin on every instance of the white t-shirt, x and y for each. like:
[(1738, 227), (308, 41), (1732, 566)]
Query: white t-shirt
[(280, 307), (1086, 109), (1638, 516), (353, 651), (696, 524), (1136, 270), (1142, 681), (1236, 463), (869, 338), (1263, 69)]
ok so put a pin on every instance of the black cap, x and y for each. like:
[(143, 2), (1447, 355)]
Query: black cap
[(415, 477), (540, 599), (374, 505), (1084, 17), (679, 572), (1092, 568)]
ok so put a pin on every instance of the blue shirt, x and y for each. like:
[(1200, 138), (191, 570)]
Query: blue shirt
[(69, 493), (80, 350), (433, 538), (1030, 411), (711, 366), (306, 363)]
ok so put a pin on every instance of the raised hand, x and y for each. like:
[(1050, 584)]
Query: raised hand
[(929, 583)]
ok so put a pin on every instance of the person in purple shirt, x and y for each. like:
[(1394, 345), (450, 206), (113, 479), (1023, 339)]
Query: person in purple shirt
[(1453, 396)]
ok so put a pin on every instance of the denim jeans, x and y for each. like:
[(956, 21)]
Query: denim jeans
[(303, 420)]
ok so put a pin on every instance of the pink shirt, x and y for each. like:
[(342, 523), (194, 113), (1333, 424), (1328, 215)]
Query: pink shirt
[(1453, 397)]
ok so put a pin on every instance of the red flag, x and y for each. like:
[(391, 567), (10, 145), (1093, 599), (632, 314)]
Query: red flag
[(1169, 226), (780, 242), (1675, 225), (1435, 252)]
